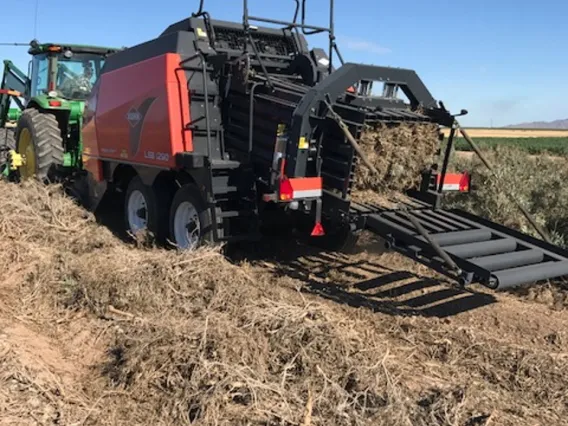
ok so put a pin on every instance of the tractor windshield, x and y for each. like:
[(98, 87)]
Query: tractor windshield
[(77, 74), (71, 76)]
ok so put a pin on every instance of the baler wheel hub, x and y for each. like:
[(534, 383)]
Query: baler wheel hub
[(187, 226), (137, 211)]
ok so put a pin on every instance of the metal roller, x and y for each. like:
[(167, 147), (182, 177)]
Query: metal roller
[(462, 237), (483, 248), (509, 260), (528, 274)]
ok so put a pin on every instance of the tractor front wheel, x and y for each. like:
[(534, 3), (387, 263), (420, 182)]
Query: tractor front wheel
[(39, 141)]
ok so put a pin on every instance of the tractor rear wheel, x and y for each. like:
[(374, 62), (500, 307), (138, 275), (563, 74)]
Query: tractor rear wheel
[(7, 143), (190, 219), (39, 141), (7, 140)]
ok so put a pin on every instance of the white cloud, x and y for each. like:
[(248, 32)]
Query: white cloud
[(362, 45)]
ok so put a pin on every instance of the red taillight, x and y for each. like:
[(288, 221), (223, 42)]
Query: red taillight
[(455, 182), (55, 103), (286, 190)]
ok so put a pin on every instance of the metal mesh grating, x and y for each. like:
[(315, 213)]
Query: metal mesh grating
[(268, 44)]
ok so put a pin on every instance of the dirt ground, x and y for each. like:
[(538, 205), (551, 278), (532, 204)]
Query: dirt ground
[(512, 133), (94, 331)]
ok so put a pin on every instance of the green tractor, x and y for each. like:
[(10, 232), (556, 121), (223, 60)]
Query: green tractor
[(45, 139)]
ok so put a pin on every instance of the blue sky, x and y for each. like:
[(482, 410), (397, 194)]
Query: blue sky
[(504, 61)]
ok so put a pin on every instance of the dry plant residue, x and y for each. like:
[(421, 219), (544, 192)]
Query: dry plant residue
[(159, 337)]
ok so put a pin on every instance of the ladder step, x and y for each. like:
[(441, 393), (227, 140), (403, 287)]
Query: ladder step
[(236, 213), (224, 164), (239, 238), (200, 95), (218, 190), (202, 128)]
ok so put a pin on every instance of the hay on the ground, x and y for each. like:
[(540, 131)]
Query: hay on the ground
[(194, 338)]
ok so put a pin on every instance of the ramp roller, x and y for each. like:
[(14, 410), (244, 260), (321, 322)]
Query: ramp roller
[(462, 237), (484, 252), (509, 260), (482, 248), (508, 278)]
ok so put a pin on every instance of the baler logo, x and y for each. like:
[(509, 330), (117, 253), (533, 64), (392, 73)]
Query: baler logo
[(135, 117)]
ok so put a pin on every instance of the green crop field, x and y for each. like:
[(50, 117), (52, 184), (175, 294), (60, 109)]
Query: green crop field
[(532, 145)]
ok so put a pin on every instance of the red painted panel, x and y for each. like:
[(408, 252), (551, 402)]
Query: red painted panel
[(140, 114)]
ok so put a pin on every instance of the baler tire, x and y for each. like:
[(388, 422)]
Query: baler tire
[(46, 140), (190, 193), (156, 209)]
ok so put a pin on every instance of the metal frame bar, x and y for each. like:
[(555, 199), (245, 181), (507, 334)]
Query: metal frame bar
[(203, 67), (12, 79), (334, 85), (447, 154), (295, 25)]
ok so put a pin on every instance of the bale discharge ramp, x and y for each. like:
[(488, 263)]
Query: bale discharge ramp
[(485, 252)]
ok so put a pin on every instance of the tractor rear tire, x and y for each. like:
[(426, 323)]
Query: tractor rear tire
[(39, 139), (191, 224), (7, 139), (7, 143), (146, 209)]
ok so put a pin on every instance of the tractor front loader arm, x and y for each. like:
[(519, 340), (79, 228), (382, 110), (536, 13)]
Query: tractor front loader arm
[(14, 85)]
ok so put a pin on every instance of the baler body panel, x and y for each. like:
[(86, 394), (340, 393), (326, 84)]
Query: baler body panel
[(140, 114)]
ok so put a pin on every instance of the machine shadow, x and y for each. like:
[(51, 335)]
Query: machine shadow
[(110, 214), (350, 279), (359, 281)]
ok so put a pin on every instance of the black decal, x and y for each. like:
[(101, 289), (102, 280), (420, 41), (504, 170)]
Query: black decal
[(136, 119)]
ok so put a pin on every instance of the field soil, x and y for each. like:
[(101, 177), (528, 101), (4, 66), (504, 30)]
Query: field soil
[(512, 133), (470, 155), (95, 330)]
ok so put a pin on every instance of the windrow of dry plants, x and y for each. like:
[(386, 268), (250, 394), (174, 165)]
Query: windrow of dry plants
[(538, 182)]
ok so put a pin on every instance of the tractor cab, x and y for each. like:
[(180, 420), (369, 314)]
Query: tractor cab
[(65, 71)]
